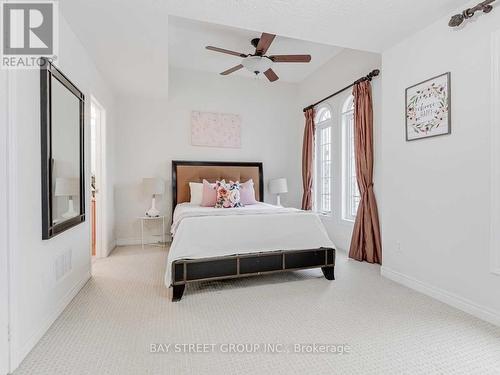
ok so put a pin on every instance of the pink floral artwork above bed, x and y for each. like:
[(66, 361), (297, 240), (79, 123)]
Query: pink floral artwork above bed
[(215, 129)]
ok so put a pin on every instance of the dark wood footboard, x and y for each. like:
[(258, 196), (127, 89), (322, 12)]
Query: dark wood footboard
[(186, 271)]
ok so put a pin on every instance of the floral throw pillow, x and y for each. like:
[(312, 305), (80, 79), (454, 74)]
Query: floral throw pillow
[(228, 194)]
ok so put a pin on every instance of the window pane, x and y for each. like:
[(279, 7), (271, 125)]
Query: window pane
[(323, 165), (322, 114)]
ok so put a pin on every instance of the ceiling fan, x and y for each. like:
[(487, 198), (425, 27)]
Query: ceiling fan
[(259, 62)]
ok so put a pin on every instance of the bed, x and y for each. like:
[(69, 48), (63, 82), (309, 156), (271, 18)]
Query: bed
[(217, 243)]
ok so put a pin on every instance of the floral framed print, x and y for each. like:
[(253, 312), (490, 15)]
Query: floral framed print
[(428, 108)]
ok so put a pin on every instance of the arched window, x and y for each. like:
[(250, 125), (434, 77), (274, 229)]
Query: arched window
[(350, 196), (323, 114), (323, 160)]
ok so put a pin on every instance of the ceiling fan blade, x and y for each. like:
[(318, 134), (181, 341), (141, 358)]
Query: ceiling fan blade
[(222, 50), (232, 70), (271, 75), (291, 58), (264, 43)]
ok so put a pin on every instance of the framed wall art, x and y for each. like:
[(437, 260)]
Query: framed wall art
[(428, 108), (215, 129)]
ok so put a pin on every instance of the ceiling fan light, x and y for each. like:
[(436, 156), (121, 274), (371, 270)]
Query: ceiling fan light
[(256, 64)]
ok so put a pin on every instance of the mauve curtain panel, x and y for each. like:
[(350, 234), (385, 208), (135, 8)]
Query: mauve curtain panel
[(307, 160), (366, 242)]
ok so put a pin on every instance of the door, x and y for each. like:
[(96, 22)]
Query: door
[(97, 169)]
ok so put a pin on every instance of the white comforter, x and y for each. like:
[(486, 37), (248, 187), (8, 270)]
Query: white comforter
[(201, 232), (185, 210)]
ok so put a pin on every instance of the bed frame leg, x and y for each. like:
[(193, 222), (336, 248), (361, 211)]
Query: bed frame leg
[(329, 272), (177, 292)]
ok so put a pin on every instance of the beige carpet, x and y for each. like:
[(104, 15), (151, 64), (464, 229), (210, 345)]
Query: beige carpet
[(388, 329)]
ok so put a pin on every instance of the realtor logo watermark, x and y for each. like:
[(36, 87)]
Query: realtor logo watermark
[(29, 31), (249, 348)]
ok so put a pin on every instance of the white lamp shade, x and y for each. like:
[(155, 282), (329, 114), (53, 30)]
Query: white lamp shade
[(67, 187), (278, 186), (256, 64), (153, 186)]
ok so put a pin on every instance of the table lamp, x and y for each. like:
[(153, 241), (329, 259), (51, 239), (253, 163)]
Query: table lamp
[(278, 186), (153, 187)]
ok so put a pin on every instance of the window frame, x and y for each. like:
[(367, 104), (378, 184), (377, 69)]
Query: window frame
[(350, 188), (320, 125)]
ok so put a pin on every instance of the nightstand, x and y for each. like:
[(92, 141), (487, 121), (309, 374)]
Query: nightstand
[(143, 219)]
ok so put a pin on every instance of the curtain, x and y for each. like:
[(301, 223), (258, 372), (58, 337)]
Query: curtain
[(366, 242), (307, 160)]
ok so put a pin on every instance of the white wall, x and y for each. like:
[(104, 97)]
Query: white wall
[(37, 299), (4, 225), (154, 131), (435, 193), (339, 72)]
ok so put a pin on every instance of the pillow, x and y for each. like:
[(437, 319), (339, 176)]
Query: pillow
[(228, 194), (196, 192), (209, 196), (247, 193), (230, 176)]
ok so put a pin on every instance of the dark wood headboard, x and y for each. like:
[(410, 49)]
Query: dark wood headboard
[(184, 172)]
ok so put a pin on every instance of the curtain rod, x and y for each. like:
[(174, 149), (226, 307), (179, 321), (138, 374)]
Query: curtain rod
[(458, 19), (368, 77)]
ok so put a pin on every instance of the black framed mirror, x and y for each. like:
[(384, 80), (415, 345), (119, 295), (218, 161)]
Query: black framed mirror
[(62, 136)]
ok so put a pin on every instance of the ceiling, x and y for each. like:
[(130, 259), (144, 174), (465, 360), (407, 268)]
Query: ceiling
[(369, 25), (128, 39), (187, 40)]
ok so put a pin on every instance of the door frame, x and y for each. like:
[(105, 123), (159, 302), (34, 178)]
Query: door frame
[(100, 172)]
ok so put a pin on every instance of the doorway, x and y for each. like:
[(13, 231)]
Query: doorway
[(97, 172)]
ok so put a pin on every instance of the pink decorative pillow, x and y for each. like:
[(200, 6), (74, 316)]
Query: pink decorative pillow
[(247, 193), (209, 195), (228, 194)]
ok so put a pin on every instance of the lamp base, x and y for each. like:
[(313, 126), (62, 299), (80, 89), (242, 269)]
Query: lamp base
[(153, 212), (278, 200), (71, 210), (69, 214)]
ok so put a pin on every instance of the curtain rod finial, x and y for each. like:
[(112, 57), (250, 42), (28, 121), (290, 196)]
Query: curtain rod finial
[(458, 19)]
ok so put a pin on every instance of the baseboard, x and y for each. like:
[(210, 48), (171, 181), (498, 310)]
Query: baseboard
[(128, 241), (444, 296), (18, 357), (110, 248)]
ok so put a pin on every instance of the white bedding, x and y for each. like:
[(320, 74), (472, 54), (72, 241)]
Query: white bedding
[(201, 232), (185, 210)]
